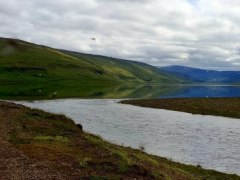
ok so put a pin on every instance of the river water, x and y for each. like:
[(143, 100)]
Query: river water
[(209, 141)]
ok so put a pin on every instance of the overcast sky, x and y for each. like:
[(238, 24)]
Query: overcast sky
[(198, 33)]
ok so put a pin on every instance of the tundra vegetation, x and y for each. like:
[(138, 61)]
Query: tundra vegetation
[(227, 107), (54, 143)]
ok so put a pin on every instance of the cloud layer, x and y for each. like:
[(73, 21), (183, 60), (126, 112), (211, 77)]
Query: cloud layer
[(198, 33)]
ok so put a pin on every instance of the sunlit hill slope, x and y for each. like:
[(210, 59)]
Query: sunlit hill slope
[(21, 61)]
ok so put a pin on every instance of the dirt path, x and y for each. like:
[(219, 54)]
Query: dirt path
[(13, 163)]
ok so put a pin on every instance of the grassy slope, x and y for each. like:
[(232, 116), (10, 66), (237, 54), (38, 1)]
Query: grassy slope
[(23, 61), (55, 141), (228, 107), (126, 69)]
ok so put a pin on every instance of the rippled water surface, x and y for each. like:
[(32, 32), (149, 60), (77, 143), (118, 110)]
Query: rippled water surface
[(212, 142)]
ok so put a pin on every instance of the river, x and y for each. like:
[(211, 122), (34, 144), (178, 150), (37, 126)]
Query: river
[(210, 141)]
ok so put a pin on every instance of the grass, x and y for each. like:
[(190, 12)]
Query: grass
[(21, 61), (56, 141), (227, 107), (30, 71), (52, 138), (84, 161)]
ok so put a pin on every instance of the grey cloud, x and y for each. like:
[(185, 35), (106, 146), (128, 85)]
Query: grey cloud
[(124, 1), (203, 34)]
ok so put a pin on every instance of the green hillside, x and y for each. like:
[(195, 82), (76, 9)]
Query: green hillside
[(125, 70), (21, 61)]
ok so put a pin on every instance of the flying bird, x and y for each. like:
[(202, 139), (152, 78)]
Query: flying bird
[(94, 39)]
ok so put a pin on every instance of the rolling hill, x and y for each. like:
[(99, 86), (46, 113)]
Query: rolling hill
[(203, 76), (22, 61)]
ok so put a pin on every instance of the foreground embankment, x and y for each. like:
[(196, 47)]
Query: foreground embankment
[(227, 107), (40, 145)]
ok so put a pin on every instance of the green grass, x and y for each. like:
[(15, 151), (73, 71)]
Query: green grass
[(30, 71), (125, 69), (52, 139), (22, 61)]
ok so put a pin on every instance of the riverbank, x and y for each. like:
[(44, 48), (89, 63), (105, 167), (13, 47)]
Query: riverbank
[(227, 107), (47, 146)]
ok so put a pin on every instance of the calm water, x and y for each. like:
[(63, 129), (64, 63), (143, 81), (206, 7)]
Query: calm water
[(212, 142), (205, 91), (46, 91)]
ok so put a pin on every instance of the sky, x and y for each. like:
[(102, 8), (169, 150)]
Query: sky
[(196, 33)]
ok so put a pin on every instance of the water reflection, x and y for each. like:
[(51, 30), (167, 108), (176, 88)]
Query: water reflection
[(69, 90), (205, 91)]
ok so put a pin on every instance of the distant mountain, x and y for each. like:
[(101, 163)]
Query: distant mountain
[(203, 76), (22, 61)]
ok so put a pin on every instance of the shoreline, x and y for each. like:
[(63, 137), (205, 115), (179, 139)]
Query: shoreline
[(225, 107), (52, 145)]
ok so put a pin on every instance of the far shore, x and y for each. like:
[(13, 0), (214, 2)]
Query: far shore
[(226, 107)]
